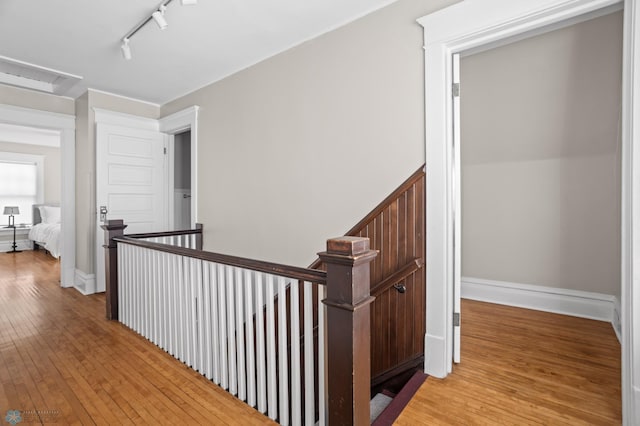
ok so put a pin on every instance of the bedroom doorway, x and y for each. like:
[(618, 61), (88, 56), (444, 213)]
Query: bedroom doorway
[(25, 131)]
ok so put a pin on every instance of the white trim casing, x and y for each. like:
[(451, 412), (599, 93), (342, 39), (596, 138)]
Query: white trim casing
[(186, 119), (85, 283), (630, 241), (29, 135), (583, 304), (117, 118), (66, 125)]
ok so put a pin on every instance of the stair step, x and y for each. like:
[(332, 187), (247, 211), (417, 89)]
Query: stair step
[(378, 404), (397, 404)]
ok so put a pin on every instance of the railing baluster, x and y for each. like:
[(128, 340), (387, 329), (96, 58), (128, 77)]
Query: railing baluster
[(233, 374), (153, 290), (271, 351), (215, 341), (309, 384), (138, 290), (261, 385), (238, 287), (207, 322), (296, 373), (182, 328), (173, 314), (322, 357), (222, 303), (199, 326), (282, 352), (249, 335)]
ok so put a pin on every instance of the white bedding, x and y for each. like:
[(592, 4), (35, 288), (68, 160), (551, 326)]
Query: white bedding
[(48, 235)]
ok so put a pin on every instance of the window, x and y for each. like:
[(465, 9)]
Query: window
[(21, 184)]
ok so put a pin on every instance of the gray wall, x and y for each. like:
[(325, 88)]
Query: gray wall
[(299, 147), (541, 159)]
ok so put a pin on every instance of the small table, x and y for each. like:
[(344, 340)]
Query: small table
[(14, 246)]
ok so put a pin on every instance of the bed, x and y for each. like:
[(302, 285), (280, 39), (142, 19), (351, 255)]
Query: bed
[(45, 232)]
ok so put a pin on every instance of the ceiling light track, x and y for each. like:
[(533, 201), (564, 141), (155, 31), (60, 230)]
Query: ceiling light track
[(158, 16)]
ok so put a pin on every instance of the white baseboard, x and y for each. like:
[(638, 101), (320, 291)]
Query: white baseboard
[(435, 363), (21, 245), (85, 283), (576, 303)]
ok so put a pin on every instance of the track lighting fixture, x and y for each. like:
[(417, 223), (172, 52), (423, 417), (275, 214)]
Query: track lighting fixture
[(158, 16), (126, 50)]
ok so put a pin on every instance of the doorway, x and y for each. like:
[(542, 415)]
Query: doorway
[(540, 160), (181, 181), (468, 25), (60, 130)]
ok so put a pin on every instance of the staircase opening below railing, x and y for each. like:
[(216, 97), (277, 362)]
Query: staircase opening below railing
[(291, 342)]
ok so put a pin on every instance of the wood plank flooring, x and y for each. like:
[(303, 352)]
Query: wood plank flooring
[(62, 362), (525, 367)]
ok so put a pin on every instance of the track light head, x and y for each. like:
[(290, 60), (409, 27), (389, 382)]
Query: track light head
[(189, 2), (158, 16), (126, 50)]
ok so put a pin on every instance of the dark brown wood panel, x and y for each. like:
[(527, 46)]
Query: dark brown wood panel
[(396, 229)]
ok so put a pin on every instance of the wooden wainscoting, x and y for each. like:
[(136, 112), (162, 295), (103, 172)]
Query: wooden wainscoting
[(396, 229), (62, 362)]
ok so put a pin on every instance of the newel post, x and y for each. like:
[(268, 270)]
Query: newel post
[(348, 329), (112, 228)]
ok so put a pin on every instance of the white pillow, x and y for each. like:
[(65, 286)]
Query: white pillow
[(43, 214), (51, 215)]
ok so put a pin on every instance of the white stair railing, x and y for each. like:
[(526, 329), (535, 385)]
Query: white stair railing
[(267, 333), (222, 321)]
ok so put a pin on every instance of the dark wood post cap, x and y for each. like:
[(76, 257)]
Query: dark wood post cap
[(348, 250)]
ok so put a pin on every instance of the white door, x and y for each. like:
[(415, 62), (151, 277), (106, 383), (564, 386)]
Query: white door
[(130, 183), (457, 216)]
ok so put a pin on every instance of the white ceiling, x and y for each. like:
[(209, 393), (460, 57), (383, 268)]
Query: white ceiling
[(202, 44)]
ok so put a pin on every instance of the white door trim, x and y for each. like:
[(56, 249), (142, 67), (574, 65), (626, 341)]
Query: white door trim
[(473, 23), (186, 119), (116, 118), (66, 125)]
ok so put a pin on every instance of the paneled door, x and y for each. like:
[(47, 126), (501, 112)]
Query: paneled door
[(131, 183)]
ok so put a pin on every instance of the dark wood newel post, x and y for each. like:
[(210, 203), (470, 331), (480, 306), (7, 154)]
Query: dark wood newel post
[(112, 228), (348, 329)]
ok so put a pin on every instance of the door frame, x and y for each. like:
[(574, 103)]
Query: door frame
[(178, 122), (471, 24), (65, 124)]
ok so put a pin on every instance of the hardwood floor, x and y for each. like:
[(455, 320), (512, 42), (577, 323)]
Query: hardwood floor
[(61, 361), (525, 367)]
